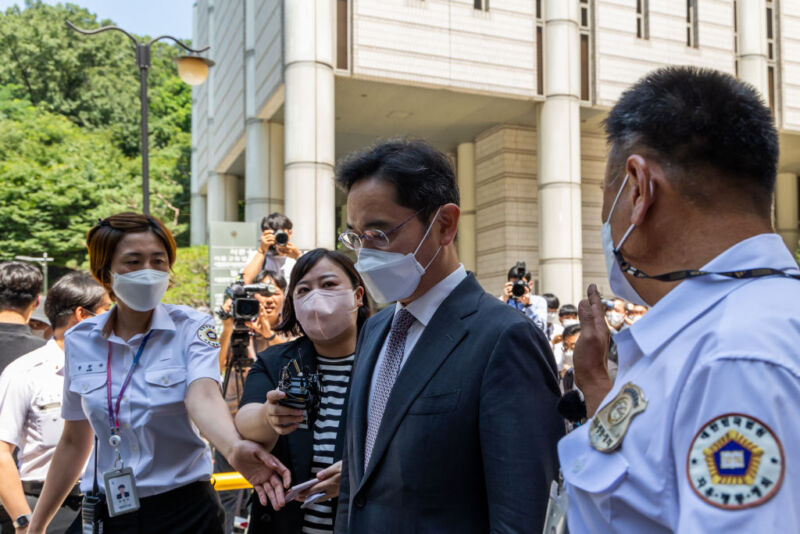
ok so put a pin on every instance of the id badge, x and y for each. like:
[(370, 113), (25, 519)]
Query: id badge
[(556, 522), (121, 496)]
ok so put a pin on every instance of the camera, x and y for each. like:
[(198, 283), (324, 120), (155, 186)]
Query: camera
[(302, 390), (244, 307), (520, 285), (281, 237)]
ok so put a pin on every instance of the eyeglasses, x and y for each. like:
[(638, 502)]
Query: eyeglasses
[(371, 238)]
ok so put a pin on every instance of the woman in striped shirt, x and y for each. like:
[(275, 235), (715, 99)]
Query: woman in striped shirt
[(326, 305)]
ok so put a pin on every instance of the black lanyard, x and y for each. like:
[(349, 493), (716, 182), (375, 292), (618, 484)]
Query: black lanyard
[(694, 273)]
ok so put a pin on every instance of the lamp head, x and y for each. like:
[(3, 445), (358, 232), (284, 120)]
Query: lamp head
[(193, 69)]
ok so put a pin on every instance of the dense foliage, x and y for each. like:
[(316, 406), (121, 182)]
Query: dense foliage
[(189, 278), (69, 132)]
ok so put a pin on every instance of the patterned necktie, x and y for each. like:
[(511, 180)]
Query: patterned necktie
[(387, 374)]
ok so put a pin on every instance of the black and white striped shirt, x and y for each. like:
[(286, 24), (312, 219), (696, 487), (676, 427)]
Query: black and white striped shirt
[(334, 376)]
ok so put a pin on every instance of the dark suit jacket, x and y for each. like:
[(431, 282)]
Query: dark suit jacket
[(295, 450), (467, 442)]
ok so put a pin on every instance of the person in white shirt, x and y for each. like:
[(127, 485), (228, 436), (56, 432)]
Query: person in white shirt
[(275, 251), (144, 378), (30, 402)]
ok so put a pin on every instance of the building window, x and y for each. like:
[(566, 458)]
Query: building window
[(539, 49), (691, 24), (772, 84), (342, 34), (585, 18), (642, 19), (483, 5)]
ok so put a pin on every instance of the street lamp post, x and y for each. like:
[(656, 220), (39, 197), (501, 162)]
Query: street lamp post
[(44, 259), (192, 69)]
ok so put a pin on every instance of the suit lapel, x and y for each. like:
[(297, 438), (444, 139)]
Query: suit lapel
[(361, 380), (443, 334)]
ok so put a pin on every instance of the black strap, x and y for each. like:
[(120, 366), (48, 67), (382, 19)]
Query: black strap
[(95, 488), (694, 273)]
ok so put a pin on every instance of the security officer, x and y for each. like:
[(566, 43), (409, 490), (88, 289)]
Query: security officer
[(697, 433), (139, 378), (30, 401)]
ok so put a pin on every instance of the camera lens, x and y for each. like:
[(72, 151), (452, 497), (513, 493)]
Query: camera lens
[(518, 289), (281, 238)]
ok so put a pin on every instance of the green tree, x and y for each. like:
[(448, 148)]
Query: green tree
[(189, 278), (69, 131)]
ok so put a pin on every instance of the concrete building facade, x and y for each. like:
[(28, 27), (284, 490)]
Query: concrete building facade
[(514, 90)]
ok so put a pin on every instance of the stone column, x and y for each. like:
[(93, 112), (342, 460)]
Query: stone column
[(786, 212), (560, 242), (751, 20), (215, 197), (309, 121), (467, 243), (231, 182)]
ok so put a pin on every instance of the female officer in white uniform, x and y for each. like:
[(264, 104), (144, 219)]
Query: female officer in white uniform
[(139, 376)]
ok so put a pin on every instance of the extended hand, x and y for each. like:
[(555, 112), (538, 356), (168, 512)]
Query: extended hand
[(266, 473), (590, 358), (290, 250), (328, 483)]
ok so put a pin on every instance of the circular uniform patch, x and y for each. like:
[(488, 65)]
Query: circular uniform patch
[(735, 461), (208, 335)]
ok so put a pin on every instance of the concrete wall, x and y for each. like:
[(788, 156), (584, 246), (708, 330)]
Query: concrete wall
[(228, 81), (268, 49), (621, 58), (789, 56), (447, 43)]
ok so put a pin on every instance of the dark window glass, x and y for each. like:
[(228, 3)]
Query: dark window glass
[(769, 23), (538, 9), (341, 34), (539, 61), (584, 67), (639, 28), (771, 88), (584, 17)]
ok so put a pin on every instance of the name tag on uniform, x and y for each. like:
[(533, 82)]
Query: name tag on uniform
[(121, 496), (610, 424)]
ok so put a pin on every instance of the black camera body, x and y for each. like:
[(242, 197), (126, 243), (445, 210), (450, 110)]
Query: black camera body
[(244, 307), (281, 237), (93, 512), (520, 285), (303, 390)]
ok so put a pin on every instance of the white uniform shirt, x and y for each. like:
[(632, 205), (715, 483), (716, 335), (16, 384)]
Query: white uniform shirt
[(716, 359), (30, 408), (159, 441), (423, 310)]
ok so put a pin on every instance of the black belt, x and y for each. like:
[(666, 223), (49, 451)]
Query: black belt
[(34, 488)]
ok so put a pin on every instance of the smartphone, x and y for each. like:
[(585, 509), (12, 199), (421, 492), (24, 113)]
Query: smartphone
[(294, 490)]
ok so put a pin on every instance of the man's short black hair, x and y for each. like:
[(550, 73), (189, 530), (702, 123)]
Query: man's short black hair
[(70, 291), (20, 284), (706, 125), (277, 277), (571, 330), (422, 176), (567, 309), (552, 301), (276, 221)]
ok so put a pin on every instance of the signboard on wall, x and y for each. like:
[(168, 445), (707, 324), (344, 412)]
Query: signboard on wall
[(230, 246)]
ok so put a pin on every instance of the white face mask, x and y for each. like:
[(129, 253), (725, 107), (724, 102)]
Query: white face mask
[(616, 279), (325, 313), (552, 317), (567, 358), (615, 318), (391, 276), (140, 290), (569, 322)]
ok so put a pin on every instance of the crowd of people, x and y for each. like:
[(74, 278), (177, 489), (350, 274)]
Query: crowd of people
[(392, 394)]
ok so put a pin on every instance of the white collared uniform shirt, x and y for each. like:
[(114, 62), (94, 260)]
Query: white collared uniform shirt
[(716, 448), (159, 441), (423, 310), (30, 408)]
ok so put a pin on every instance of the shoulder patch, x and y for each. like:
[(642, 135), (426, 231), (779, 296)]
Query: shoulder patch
[(735, 461), (208, 335)]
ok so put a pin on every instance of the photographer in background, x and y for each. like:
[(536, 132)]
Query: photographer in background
[(517, 294), (275, 251)]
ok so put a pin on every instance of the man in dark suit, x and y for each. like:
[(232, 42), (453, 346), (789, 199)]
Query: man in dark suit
[(452, 414)]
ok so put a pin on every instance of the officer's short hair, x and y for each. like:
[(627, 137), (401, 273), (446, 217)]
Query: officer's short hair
[(20, 284), (567, 309), (70, 291), (710, 132), (552, 301)]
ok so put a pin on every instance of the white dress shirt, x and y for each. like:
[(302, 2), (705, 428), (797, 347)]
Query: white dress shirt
[(423, 310), (716, 359), (30, 408), (159, 441)]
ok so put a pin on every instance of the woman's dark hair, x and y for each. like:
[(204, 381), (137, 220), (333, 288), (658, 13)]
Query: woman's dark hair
[(289, 323), (72, 290), (277, 277)]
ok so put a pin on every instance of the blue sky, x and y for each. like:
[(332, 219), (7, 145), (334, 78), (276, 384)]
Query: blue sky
[(143, 17)]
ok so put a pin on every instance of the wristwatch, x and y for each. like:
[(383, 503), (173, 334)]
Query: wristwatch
[(22, 521)]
